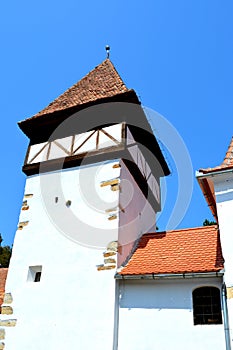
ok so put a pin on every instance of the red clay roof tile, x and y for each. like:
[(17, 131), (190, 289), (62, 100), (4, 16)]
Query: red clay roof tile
[(179, 251), (102, 82)]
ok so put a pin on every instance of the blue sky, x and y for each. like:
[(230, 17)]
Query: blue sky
[(177, 55)]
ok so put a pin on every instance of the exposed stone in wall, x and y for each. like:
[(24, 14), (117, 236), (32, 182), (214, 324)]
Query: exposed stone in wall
[(110, 261), (111, 209), (105, 267), (2, 333), (117, 165), (22, 225), (115, 188), (111, 182), (28, 195), (109, 253), (6, 310), (112, 217), (112, 246), (8, 323), (25, 205), (230, 293), (115, 210), (7, 298), (2, 345), (114, 183)]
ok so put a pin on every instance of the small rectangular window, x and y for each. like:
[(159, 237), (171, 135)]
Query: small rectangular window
[(34, 273)]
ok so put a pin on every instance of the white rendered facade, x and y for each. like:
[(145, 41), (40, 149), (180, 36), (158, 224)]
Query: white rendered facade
[(223, 187), (76, 294), (158, 314), (68, 233)]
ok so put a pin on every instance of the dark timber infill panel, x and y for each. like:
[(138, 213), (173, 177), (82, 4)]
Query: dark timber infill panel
[(150, 149)]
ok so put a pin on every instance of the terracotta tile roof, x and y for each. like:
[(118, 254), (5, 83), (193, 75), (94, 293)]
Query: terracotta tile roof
[(180, 251), (102, 82), (226, 164), (3, 275)]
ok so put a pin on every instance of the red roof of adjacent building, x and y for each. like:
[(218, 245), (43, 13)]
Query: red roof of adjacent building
[(194, 250), (102, 82), (226, 164), (3, 276)]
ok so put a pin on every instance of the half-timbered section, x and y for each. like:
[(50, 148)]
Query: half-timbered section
[(82, 145)]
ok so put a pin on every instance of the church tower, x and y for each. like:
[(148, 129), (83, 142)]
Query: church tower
[(93, 170)]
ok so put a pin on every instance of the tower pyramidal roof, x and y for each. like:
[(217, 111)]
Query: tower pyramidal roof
[(228, 160), (102, 82), (101, 85), (206, 183)]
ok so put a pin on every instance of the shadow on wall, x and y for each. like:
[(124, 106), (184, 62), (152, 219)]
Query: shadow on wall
[(156, 294), (219, 257)]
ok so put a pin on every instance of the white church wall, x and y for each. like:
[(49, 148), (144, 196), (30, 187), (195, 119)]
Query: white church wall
[(224, 199), (159, 315), (73, 298), (223, 185), (137, 217)]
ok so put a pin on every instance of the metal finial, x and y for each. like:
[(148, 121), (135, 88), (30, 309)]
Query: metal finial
[(107, 48)]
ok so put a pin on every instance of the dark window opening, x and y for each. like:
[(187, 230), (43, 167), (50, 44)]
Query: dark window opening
[(37, 276), (207, 306)]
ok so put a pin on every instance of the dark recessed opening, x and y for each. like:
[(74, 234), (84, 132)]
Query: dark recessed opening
[(37, 276), (207, 306)]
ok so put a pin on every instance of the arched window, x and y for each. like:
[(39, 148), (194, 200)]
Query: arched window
[(207, 306)]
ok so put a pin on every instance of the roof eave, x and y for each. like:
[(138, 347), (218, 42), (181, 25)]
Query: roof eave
[(185, 275), (214, 171), (205, 186), (128, 96)]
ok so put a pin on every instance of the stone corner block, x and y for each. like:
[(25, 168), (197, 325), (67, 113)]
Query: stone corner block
[(7, 298), (8, 323), (6, 310), (2, 333), (230, 293)]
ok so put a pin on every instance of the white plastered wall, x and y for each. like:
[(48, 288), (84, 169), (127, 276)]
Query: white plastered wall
[(72, 217), (159, 315), (73, 304), (223, 185)]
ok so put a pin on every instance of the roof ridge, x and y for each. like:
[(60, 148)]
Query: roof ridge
[(103, 81), (107, 60), (182, 229)]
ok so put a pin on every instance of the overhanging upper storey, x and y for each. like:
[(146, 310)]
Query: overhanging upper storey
[(98, 118)]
